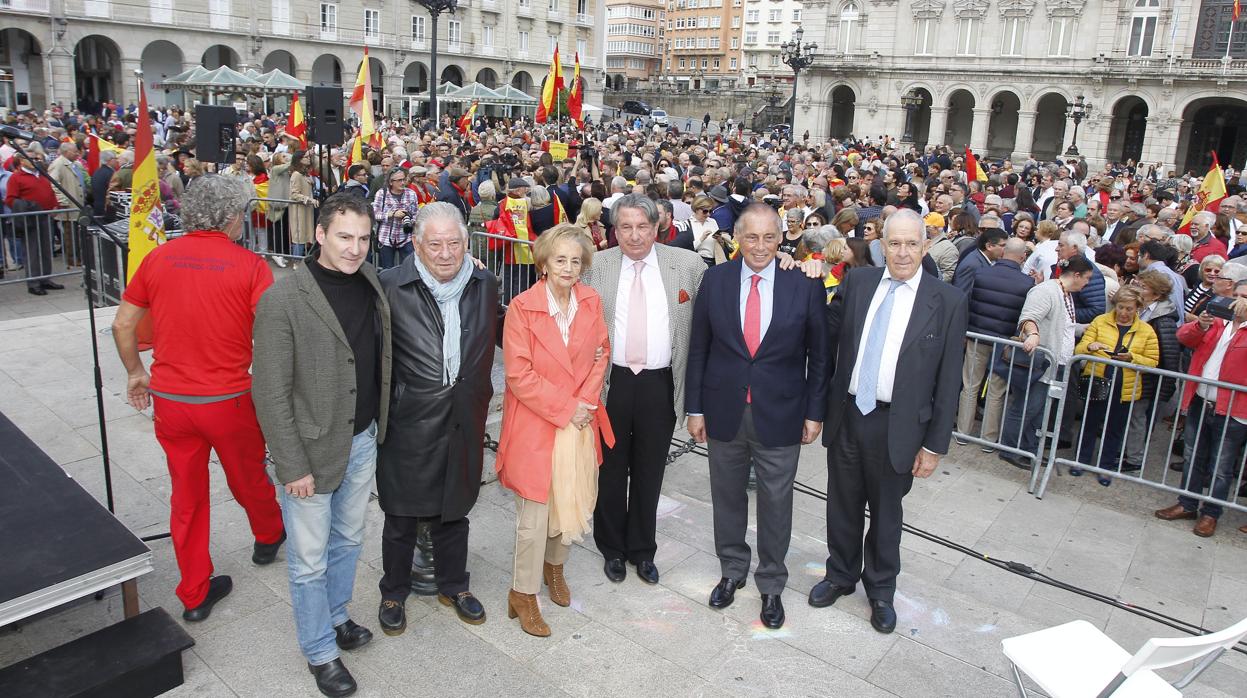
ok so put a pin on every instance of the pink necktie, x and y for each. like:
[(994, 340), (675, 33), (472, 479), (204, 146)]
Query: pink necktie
[(634, 352), (753, 323)]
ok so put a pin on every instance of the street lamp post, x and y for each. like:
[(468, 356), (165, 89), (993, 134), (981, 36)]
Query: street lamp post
[(797, 57), (911, 102), (1077, 111), (435, 9)]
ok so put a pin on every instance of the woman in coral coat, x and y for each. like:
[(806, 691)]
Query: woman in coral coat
[(556, 349)]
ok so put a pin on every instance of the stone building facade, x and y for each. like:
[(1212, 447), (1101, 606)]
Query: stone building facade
[(998, 76), (66, 50), (635, 41)]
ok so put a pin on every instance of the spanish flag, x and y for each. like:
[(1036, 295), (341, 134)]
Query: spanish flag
[(550, 90), (361, 100), (296, 125), (974, 172), (357, 150), (1208, 198), (1238, 10), (147, 216), (96, 146), (575, 100), (465, 121)]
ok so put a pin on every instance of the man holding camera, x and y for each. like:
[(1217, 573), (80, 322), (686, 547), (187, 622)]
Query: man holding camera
[(1216, 418)]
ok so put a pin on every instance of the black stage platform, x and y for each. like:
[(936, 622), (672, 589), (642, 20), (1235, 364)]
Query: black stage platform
[(57, 543)]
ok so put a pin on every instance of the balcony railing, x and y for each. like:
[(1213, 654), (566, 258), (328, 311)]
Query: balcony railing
[(584, 19), (40, 6)]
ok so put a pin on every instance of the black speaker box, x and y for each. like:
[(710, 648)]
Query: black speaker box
[(324, 115), (216, 130)]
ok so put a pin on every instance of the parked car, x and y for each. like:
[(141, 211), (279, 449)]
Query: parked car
[(636, 106), (658, 116), (782, 131)]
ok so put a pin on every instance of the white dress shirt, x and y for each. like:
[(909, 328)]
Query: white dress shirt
[(1042, 259), (766, 294), (564, 320), (657, 315), (902, 308)]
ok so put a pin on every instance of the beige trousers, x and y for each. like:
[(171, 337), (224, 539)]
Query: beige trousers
[(534, 545)]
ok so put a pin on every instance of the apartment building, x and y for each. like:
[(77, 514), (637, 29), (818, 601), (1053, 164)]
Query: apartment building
[(635, 41), (703, 44), (768, 24)]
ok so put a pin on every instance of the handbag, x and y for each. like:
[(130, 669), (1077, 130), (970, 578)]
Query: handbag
[(1018, 367), (1095, 388)]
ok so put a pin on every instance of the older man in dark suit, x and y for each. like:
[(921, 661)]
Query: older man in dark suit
[(900, 338), (757, 387)]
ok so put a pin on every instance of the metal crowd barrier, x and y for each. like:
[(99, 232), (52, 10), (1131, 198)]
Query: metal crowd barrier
[(1213, 445), (35, 245), (266, 229), (1011, 390), (503, 256)]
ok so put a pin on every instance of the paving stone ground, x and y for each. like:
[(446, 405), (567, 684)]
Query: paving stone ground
[(632, 639)]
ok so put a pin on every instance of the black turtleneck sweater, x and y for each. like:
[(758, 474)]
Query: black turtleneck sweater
[(354, 302)]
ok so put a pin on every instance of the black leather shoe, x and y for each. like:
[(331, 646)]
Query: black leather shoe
[(53, 286), (333, 679), (392, 616), (772, 611), (36, 291), (218, 588), (647, 572), (825, 593), (882, 616), (352, 635), (615, 569), (265, 553), (724, 593), (465, 604)]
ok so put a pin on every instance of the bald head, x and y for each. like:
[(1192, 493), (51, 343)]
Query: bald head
[(1015, 250)]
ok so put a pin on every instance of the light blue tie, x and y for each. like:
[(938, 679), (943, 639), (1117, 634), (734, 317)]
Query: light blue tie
[(868, 376)]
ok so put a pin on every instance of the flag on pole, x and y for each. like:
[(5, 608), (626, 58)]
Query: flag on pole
[(296, 125), (361, 100), (147, 216), (1208, 198), (1238, 10), (95, 147), (550, 91), (575, 100), (357, 150), (465, 121), (974, 172)]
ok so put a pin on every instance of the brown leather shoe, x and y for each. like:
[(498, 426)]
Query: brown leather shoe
[(1174, 513), (553, 576), (1205, 527), (524, 606)]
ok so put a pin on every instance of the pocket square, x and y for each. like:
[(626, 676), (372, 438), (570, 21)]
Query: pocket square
[(683, 296)]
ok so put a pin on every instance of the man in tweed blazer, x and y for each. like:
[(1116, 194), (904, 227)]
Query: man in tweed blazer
[(647, 295)]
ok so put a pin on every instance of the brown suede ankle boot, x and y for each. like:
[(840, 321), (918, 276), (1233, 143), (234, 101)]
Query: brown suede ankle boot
[(524, 606), (559, 593)]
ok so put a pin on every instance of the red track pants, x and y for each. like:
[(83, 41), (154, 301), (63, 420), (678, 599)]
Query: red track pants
[(188, 433)]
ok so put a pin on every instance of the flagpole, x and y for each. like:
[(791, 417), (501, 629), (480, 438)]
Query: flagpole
[(1225, 62)]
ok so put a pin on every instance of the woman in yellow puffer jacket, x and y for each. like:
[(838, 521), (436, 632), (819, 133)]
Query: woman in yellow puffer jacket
[(1118, 334)]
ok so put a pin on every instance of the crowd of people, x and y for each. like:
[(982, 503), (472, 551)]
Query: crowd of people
[(761, 292)]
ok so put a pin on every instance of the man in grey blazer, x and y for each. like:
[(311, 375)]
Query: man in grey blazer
[(647, 294), (321, 387)]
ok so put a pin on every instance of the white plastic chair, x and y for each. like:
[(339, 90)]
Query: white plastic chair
[(1076, 660)]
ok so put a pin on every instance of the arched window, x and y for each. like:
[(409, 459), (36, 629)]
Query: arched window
[(1143, 27), (847, 37)]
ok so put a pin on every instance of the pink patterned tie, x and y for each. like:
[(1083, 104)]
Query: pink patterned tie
[(753, 324), (634, 352)]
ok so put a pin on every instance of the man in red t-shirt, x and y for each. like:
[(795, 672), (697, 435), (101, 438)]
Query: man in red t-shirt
[(201, 290)]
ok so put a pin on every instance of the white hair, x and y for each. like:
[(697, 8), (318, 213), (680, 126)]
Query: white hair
[(904, 215), (1078, 240), (438, 210)]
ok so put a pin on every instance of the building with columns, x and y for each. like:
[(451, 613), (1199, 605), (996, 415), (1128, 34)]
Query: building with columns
[(1163, 81), (66, 51)]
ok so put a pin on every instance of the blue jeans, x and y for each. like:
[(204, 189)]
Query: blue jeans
[(1020, 430), (298, 249), (394, 256), (325, 533), (1213, 456)]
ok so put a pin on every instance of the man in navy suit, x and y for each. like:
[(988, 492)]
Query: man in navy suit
[(900, 338), (757, 387)]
